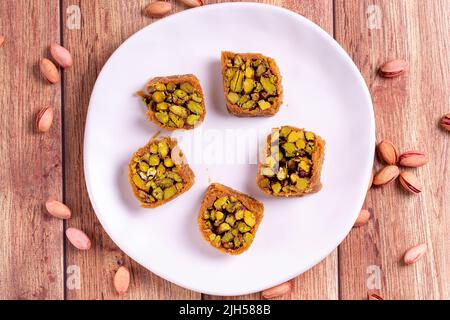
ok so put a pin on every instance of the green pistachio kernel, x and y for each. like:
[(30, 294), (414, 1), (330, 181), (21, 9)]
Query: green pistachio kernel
[(154, 160), (180, 93), (309, 136), (249, 104), (221, 202), (187, 87), (174, 176), (294, 136), (289, 147), (237, 242), (233, 97), (243, 227), (281, 174), (255, 96), (228, 236), (163, 148), (158, 193), (268, 172), (239, 214), (230, 219), (213, 215), (268, 85), (284, 132), (208, 224), (249, 73), (162, 106), (195, 107), (309, 147), (271, 162), (179, 111), (263, 105), (249, 84), (171, 86), (304, 165), (158, 96), (179, 122), (260, 69), (294, 177), (143, 166), (196, 97), (212, 236), (276, 187), (258, 88), (249, 218), (236, 82), (243, 99), (170, 192), (301, 144), (153, 148), (160, 87), (192, 119), (139, 182), (302, 184), (179, 186), (223, 227), (168, 162), (164, 182), (143, 175), (219, 215), (248, 238), (162, 117), (160, 171), (206, 215)]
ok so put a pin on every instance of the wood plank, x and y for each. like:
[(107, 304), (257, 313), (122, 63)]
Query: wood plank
[(31, 254), (105, 25), (321, 281), (407, 111)]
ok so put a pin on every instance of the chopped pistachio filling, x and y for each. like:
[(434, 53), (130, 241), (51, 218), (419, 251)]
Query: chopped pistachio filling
[(175, 105), (249, 83), (231, 224), (154, 175), (288, 166)]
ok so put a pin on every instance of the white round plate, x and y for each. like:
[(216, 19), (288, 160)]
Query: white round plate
[(324, 93)]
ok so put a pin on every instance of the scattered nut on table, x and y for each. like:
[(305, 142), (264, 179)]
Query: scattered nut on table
[(394, 68), (157, 9), (61, 55), (58, 209), (412, 159), (414, 254), (386, 175), (44, 119), (49, 71), (363, 218), (410, 182), (387, 152), (122, 280)]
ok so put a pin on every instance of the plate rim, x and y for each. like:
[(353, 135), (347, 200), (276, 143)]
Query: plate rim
[(348, 60)]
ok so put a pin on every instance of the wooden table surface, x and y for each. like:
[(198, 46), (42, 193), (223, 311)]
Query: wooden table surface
[(36, 261)]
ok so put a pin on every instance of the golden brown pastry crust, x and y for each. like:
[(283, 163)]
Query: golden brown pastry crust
[(181, 167), (177, 79), (215, 191), (240, 112), (317, 160)]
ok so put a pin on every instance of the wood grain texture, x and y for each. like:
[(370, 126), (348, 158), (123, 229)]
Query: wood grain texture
[(105, 25), (407, 111), (320, 282), (31, 242)]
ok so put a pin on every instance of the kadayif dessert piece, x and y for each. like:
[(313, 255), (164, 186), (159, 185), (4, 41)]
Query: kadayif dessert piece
[(158, 172), (229, 219), (175, 102), (292, 163), (252, 84)]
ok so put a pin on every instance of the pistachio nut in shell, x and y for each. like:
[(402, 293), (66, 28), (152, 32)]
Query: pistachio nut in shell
[(387, 152), (386, 175), (44, 119), (410, 182), (413, 159), (58, 209), (157, 9), (192, 3), (122, 280), (277, 291), (445, 122), (394, 68), (414, 254)]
